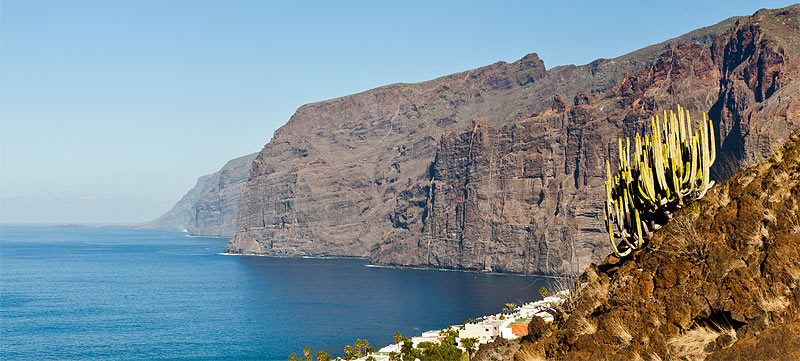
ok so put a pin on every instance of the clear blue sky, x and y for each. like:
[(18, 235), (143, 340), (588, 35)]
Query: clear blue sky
[(112, 109)]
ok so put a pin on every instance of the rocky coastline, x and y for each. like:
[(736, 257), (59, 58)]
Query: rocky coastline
[(499, 169)]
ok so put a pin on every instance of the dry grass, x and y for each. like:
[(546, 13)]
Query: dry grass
[(794, 273), (656, 321), (563, 284), (529, 355), (587, 327), (769, 215), (574, 292), (684, 237), (618, 329), (692, 344), (770, 302), (795, 225), (774, 304)]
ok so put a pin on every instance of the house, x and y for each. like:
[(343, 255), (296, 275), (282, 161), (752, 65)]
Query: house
[(484, 331), (519, 327), (515, 328)]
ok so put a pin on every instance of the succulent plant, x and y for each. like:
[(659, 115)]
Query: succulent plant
[(662, 172)]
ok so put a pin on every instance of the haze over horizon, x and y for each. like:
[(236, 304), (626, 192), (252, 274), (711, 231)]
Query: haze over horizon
[(111, 111)]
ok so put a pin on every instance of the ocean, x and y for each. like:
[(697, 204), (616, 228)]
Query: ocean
[(123, 294)]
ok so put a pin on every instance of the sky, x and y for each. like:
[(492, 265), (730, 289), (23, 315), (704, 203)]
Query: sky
[(110, 110)]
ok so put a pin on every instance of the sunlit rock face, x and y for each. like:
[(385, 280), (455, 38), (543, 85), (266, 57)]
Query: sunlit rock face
[(500, 168)]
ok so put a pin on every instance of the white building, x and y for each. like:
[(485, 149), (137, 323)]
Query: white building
[(484, 331), (395, 347), (505, 329)]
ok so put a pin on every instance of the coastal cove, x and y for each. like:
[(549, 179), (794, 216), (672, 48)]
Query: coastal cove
[(102, 293)]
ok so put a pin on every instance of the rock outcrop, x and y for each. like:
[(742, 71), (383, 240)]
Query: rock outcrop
[(210, 207), (721, 281), (527, 197), (500, 168)]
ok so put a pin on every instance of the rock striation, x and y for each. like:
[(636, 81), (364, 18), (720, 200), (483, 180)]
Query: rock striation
[(210, 207), (500, 168), (527, 197)]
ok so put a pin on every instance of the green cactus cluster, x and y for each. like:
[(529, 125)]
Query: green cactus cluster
[(660, 173)]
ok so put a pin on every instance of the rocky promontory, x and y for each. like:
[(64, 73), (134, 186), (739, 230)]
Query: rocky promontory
[(210, 207)]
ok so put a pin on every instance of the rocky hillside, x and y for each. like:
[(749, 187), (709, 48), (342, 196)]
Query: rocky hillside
[(721, 281), (498, 168), (527, 197), (210, 207)]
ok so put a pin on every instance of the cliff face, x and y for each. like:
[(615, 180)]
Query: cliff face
[(406, 175), (210, 207), (326, 182), (757, 105), (527, 197), (721, 281)]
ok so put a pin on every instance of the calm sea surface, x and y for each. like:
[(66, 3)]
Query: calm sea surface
[(135, 294)]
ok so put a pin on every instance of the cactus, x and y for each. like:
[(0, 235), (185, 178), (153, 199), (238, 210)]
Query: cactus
[(663, 171)]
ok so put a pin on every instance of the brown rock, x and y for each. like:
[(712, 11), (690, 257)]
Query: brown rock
[(490, 170), (526, 198), (537, 329)]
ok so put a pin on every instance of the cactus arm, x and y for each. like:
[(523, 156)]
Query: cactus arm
[(675, 182), (683, 115), (610, 230), (658, 160), (693, 171), (647, 182), (639, 239), (712, 140), (705, 157), (637, 150)]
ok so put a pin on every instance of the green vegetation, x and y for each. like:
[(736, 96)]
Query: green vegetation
[(358, 349), (323, 356), (521, 320), (510, 307), (446, 350), (543, 291), (470, 344), (658, 175)]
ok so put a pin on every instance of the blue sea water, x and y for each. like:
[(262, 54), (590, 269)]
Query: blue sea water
[(108, 294)]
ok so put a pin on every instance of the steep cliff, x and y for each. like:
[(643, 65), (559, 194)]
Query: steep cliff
[(392, 175), (527, 197), (721, 281), (210, 207)]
